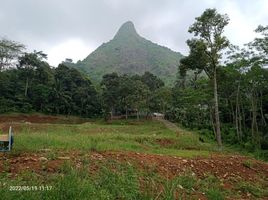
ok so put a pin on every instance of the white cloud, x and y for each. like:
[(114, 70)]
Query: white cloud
[(240, 29), (74, 28), (75, 49)]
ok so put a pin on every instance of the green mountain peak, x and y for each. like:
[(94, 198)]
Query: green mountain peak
[(129, 53), (126, 30)]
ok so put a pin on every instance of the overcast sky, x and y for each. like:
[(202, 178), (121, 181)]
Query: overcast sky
[(74, 28)]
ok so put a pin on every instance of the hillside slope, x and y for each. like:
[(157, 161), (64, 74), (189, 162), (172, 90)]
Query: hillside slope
[(129, 53)]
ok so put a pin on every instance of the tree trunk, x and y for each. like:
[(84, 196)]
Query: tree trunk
[(254, 124), (112, 114), (1, 64), (237, 114), (262, 115), (26, 87), (217, 116), (240, 122), (212, 122), (232, 112), (243, 117), (183, 81), (236, 122), (126, 113)]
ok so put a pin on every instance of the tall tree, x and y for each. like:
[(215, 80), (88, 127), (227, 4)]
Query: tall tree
[(210, 42), (152, 81), (110, 84), (9, 51), (28, 63), (261, 43)]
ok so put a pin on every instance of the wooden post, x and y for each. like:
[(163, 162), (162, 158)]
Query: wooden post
[(9, 138)]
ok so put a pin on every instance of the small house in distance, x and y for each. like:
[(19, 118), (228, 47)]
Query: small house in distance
[(159, 115), (68, 60)]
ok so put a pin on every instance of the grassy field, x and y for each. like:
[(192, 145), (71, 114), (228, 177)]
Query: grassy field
[(138, 136), (122, 160)]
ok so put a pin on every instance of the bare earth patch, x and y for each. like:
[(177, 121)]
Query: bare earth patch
[(40, 119), (165, 142), (222, 166)]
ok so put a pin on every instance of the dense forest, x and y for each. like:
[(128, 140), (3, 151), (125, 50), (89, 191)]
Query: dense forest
[(225, 99), (33, 86)]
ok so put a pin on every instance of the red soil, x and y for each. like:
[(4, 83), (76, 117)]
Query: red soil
[(222, 166), (35, 118)]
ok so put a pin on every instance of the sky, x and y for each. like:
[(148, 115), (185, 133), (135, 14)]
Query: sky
[(74, 28)]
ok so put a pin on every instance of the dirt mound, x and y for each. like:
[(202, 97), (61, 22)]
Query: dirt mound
[(35, 118), (27, 162), (34, 121), (165, 142), (222, 166)]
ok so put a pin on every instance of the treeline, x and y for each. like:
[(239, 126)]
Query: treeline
[(29, 84), (243, 106), (33, 86), (126, 94)]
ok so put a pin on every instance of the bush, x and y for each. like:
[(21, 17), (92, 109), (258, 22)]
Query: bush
[(250, 188), (214, 194)]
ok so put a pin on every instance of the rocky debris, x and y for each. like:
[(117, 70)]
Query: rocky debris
[(223, 166), (64, 158), (96, 156), (43, 159), (45, 150), (165, 142)]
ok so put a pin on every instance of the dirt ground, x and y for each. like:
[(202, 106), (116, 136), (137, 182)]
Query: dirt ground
[(38, 118), (228, 168), (222, 166), (16, 121)]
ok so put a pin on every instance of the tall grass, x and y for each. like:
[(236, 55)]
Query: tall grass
[(128, 135), (112, 180)]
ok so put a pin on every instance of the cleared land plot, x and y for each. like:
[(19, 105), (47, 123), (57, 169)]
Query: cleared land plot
[(123, 160)]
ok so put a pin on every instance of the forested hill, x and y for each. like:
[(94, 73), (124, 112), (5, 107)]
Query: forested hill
[(129, 53)]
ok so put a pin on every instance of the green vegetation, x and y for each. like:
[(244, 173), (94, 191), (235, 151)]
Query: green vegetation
[(205, 53), (230, 104), (129, 53), (248, 163), (226, 102), (108, 178), (135, 94), (112, 181), (253, 189), (131, 135), (33, 86)]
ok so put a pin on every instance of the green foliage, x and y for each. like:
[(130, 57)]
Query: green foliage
[(255, 190), (248, 163), (211, 186), (9, 51), (123, 183), (214, 194), (121, 135), (240, 87), (35, 86), (190, 106), (187, 181), (77, 184), (133, 94)]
